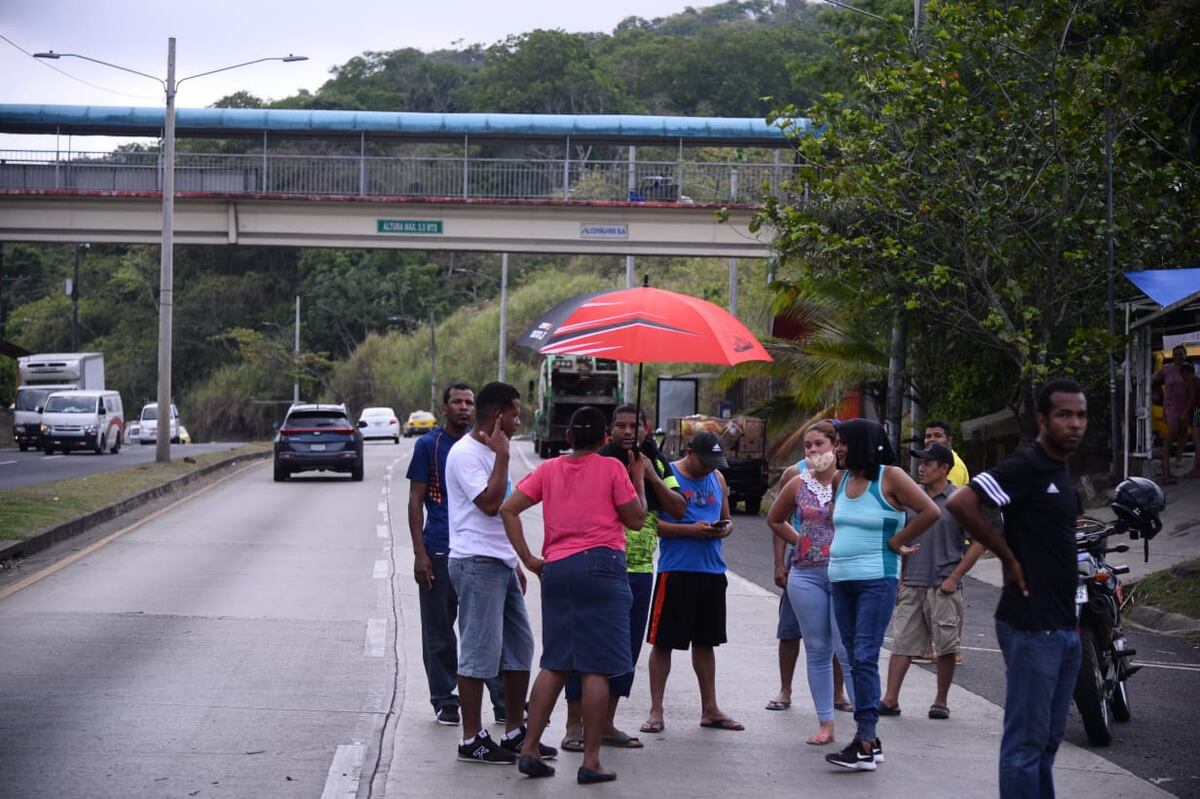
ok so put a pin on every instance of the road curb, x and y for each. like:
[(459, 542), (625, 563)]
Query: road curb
[(49, 537), (1160, 621)]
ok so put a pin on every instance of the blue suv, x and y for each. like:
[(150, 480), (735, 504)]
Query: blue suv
[(318, 438)]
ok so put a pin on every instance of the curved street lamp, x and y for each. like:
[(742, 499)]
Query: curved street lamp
[(167, 264)]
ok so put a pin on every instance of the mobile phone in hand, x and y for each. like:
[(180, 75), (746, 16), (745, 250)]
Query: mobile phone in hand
[(721, 523)]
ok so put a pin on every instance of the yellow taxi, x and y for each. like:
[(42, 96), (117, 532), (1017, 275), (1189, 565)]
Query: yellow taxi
[(419, 423)]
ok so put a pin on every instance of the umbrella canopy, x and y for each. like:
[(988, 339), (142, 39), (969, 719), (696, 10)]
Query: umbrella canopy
[(643, 325)]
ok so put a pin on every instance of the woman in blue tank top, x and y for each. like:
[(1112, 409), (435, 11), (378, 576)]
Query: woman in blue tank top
[(869, 538)]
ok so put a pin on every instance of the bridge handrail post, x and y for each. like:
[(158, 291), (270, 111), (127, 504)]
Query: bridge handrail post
[(362, 163), (465, 160), (566, 182)]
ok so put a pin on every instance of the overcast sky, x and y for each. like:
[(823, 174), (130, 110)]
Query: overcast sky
[(214, 33)]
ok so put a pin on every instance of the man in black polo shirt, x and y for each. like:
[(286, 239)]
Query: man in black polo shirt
[(1035, 619)]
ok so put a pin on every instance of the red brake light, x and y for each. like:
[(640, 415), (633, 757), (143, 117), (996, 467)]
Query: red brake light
[(393, 422)]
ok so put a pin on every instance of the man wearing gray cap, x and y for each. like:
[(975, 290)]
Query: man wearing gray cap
[(688, 606), (929, 605)]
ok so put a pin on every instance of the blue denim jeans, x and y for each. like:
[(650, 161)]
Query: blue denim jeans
[(809, 590), (439, 644), (1041, 669), (493, 625), (863, 609)]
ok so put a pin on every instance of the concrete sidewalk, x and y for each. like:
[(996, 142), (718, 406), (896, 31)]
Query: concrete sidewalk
[(925, 758)]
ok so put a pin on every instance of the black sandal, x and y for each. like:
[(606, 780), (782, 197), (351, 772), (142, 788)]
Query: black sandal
[(587, 776)]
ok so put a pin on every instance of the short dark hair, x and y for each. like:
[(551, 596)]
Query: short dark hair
[(942, 424), (455, 387), (494, 397), (628, 407), (587, 427), (1057, 385)]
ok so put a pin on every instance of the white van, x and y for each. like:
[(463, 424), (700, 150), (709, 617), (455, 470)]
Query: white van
[(91, 420), (148, 424)]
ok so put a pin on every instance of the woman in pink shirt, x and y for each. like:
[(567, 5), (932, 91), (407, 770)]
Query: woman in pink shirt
[(587, 502)]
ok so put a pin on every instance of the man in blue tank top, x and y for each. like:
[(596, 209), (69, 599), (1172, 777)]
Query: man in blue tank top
[(688, 608)]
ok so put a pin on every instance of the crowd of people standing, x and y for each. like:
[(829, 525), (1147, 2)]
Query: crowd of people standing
[(861, 544)]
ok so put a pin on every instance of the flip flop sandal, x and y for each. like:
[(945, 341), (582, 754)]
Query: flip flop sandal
[(816, 739), (622, 740), (653, 726), (723, 724), (845, 707), (889, 710), (571, 743), (775, 704), (937, 711)]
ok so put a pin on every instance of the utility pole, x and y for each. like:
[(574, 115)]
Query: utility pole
[(1115, 425), (166, 281), (296, 357), (432, 362), (75, 300), (503, 350)]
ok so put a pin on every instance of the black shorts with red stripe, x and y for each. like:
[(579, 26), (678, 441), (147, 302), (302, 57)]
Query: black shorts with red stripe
[(688, 608)]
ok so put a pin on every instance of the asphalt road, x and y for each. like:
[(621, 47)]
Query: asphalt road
[(1148, 745), (30, 468), (237, 645)]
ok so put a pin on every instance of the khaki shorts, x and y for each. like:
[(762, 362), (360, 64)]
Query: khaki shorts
[(925, 616)]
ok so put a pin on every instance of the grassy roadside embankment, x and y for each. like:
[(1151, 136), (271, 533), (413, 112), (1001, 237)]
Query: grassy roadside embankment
[(28, 510), (1173, 590)]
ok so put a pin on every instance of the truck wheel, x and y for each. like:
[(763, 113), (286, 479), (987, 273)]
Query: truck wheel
[(48, 450), (23, 447), (753, 505)]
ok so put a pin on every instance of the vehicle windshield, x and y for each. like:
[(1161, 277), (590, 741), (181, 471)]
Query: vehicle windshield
[(66, 403), (318, 419), (30, 399), (420, 416), (376, 413), (150, 413)]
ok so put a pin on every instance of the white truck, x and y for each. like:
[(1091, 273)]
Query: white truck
[(41, 375)]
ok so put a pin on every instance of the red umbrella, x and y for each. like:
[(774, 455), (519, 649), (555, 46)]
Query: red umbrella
[(643, 325)]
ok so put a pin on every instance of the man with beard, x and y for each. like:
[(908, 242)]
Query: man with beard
[(1035, 619), (662, 494), (428, 524)]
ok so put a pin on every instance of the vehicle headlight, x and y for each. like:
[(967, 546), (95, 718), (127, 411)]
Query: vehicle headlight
[(90, 428), (45, 428)]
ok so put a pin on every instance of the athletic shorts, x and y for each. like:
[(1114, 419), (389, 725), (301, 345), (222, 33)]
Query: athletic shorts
[(688, 608), (927, 616)]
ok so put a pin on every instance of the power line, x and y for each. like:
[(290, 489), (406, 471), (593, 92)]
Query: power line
[(73, 77)]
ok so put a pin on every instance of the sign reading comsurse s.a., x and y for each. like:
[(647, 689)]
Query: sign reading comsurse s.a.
[(609, 230), (410, 227)]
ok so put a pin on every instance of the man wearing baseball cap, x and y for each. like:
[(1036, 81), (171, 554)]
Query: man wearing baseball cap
[(929, 605), (688, 606)]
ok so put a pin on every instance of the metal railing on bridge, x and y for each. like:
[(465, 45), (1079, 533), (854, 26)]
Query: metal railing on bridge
[(461, 178)]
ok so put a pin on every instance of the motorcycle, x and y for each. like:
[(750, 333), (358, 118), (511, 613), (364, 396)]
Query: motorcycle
[(1106, 660)]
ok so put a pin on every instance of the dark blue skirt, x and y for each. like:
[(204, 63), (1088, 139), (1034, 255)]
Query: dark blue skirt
[(585, 613)]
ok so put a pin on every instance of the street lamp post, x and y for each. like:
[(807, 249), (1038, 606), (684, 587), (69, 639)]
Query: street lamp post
[(166, 260), (75, 300)]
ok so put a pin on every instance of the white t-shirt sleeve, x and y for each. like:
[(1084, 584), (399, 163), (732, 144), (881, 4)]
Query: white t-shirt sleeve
[(474, 472)]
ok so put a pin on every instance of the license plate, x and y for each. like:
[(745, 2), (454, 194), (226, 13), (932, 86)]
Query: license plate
[(317, 447), (1081, 595)]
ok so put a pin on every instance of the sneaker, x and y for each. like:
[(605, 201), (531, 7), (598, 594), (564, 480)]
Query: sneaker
[(877, 751), (448, 715), (484, 750), (853, 758), (514, 745)]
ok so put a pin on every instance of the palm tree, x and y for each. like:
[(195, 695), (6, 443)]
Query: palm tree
[(824, 356)]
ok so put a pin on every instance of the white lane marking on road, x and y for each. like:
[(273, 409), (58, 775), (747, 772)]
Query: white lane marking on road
[(381, 570), (344, 772), (6, 463), (376, 637), (381, 530), (381, 507), (50, 457)]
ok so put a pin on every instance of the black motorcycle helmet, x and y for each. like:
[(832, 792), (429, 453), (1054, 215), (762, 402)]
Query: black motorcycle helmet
[(1138, 502)]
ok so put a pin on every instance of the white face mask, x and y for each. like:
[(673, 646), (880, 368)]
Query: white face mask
[(820, 461)]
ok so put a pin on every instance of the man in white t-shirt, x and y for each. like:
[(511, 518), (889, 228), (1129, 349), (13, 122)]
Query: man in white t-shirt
[(493, 626)]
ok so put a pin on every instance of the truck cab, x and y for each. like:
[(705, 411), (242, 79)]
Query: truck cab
[(45, 374)]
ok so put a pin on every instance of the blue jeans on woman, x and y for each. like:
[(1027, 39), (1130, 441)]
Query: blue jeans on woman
[(863, 609), (809, 591), (1041, 667)]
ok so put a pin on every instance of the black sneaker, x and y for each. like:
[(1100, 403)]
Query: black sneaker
[(853, 758), (484, 750), (877, 751), (448, 715), (514, 745)]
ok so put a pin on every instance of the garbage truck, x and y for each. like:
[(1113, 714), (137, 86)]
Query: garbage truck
[(565, 384)]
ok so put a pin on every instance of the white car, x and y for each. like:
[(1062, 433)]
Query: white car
[(148, 424), (379, 423)]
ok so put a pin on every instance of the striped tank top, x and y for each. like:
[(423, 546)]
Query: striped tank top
[(861, 529)]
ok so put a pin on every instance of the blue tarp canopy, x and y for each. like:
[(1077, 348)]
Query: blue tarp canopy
[(242, 122), (1166, 286)]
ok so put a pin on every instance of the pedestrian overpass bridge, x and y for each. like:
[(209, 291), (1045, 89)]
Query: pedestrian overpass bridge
[(622, 185)]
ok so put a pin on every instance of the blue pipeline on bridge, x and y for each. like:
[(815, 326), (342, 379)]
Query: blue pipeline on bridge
[(253, 122)]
